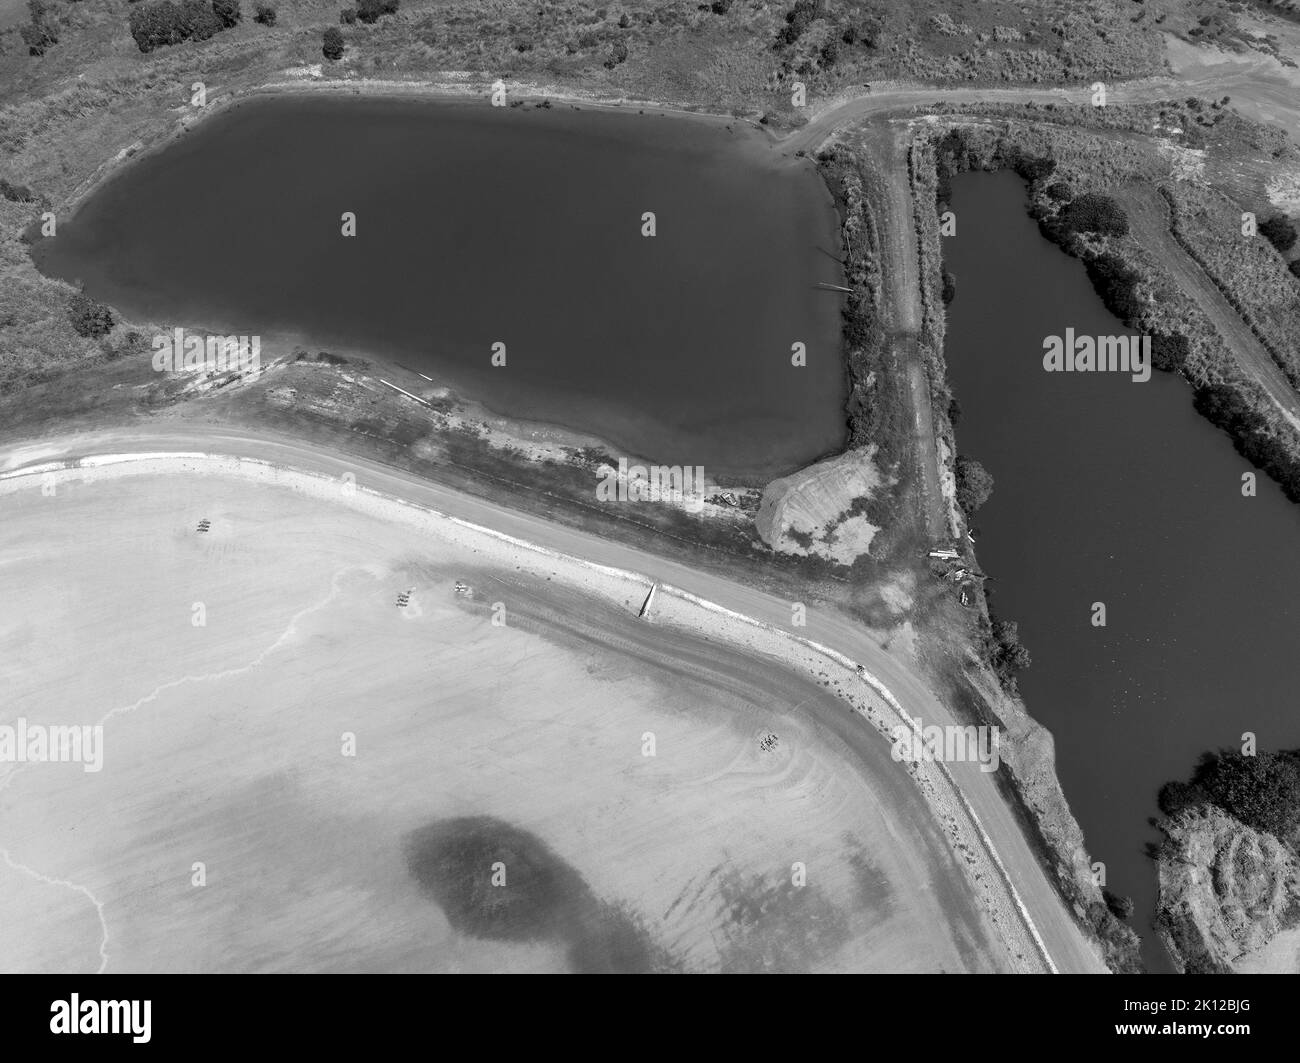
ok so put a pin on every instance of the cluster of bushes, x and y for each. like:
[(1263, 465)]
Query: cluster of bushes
[(1093, 213), (368, 11), (39, 32), (1261, 791), (1225, 407), (89, 318), (617, 54), (866, 33), (1006, 654), (163, 23), (16, 193), (332, 44), (798, 19), (1170, 352), (265, 15), (1032, 168), (1116, 283), (974, 485), (1279, 232)]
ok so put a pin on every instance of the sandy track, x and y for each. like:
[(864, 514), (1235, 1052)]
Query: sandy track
[(1068, 946), (886, 163)]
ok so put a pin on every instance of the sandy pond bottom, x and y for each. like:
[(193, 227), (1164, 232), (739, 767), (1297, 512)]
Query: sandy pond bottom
[(479, 748)]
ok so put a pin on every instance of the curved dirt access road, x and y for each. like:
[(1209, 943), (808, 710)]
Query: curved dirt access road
[(221, 744), (1070, 948), (1261, 88)]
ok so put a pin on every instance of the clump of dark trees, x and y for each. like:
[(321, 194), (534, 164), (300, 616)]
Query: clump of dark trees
[(368, 11), (1092, 213), (617, 54), (1226, 408), (1279, 232), (974, 485), (800, 17), (162, 23), (332, 44), (88, 317), (1005, 652), (1261, 791), (16, 193)]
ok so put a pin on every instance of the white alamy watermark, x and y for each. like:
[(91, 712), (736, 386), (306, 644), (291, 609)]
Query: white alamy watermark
[(949, 744), (681, 484), (177, 352), (75, 1015), (37, 743), (1098, 354)]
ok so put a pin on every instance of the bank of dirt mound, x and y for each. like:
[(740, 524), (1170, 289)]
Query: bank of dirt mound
[(823, 510), (1227, 892)]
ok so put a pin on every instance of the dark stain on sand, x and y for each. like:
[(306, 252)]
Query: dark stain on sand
[(542, 898), (778, 928)]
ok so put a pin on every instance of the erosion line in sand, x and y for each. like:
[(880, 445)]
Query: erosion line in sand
[(99, 905)]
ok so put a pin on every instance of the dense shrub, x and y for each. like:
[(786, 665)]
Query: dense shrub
[(1170, 353), (1007, 655), (1262, 791), (1279, 232), (617, 54), (1033, 167), (949, 287), (198, 22), (1176, 797), (227, 12), (162, 23), (348, 16), (155, 25), (265, 15), (1093, 213), (369, 11), (332, 43), (16, 193), (798, 19), (1120, 907), (1117, 284), (1225, 407), (974, 485), (89, 318)]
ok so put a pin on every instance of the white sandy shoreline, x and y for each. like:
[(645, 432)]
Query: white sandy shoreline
[(626, 589)]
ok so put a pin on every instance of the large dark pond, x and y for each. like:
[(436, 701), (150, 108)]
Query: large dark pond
[(480, 225), (1117, 492)]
